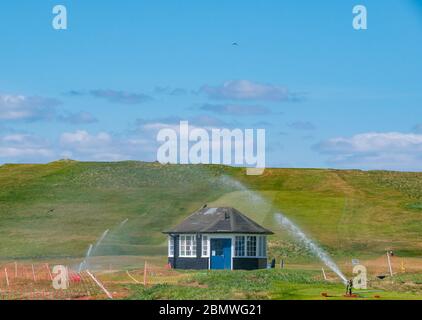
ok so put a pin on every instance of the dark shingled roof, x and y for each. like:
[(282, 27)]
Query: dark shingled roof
[(218, 220)]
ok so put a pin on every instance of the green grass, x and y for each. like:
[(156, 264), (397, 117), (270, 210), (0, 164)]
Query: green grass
[(58, 209), (224, 285), (262, 284), (415, 206)]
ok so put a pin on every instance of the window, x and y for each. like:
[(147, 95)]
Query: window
[(262, 246), (171, 246), (251, 246), (239, 249), (205, 246), (218, 248), (187, 246)]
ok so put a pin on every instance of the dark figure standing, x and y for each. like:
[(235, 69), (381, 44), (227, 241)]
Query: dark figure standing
[(349, 288)]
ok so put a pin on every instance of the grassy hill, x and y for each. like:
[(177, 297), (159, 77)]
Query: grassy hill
[(58, 209)]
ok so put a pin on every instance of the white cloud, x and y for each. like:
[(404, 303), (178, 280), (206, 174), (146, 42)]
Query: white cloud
[(24, 148), (374, 150), (89, 146), (104, 146), (82, 138), (20, 107), (200, 121), (246, 90), (373, 141), (137, 144)]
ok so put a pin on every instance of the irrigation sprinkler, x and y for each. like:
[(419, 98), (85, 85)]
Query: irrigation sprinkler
[(389, 263), (349, 288), (310, 244)]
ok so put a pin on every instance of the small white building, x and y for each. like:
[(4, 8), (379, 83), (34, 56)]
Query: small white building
[(218, 238)]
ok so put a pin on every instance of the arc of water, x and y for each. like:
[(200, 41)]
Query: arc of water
[(303, 238), (92, 248), (101, 238), (123, 222), (289, 225), (84, 263)]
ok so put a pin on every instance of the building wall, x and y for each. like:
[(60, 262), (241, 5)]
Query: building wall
[(189, 263), (199, 262), (249, 263), (202, 263)]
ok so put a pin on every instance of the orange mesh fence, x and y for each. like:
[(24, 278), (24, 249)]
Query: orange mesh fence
[(35, 282)]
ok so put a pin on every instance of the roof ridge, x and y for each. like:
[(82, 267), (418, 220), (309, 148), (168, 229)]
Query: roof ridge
[(216, 221)]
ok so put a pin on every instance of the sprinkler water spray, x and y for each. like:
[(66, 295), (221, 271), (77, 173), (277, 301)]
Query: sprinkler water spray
[(289, 225), (305, 240)]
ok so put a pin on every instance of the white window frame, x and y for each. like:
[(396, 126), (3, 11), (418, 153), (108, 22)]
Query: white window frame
[(244, 247), (260, 240), (262, 246), (256, 246), (171, 246), (183, 237), (205, 244)]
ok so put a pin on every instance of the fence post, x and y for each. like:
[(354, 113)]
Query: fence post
[(7, 277), (145, 274), (33, 273), (323, 273), (49, 272)]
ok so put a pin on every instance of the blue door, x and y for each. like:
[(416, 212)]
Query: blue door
[(221, 253)]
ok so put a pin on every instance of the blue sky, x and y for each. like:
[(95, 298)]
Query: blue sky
[(327, 95)]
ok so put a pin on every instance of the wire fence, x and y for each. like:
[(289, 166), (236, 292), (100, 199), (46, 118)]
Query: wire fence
[(154, 274), (23, 281), (35, 282)]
